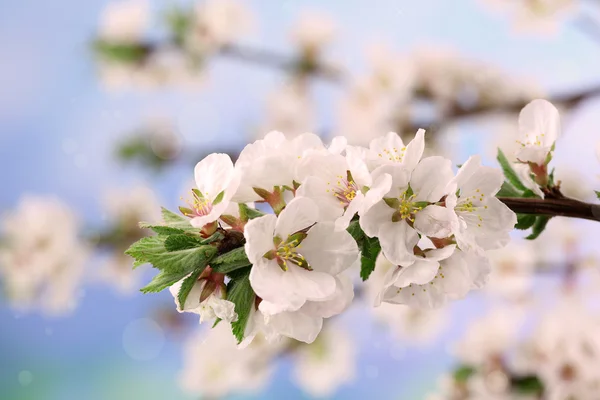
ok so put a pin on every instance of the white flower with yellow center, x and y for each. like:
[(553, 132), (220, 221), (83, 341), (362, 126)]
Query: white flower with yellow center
[(484, 222), (295, 258), (217, 182), (270, 164), (424, 285), (410, 208), (390, 149), (338, 185), (539, 127)]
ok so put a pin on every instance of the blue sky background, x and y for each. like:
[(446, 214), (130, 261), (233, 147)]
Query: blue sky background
[(57, 133)]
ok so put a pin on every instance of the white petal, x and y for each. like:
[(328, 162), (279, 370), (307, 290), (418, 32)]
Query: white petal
[(310, 285), (328, 250), (356, 205), (223, 309), (474, 179), (214, 174), (436, 221), (414, 150), (328, 167), (377, 215), (212, 216), (430, 178), (274, 285), (259, 237), (316, 189), (400, 178), (297, 325), (538, 118), (534, 154), (338, 145), (381, 186), (337, 303), (421, 272), (299, 214), (398, 240)]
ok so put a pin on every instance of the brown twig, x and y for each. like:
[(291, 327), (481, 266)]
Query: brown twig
[(562, 207)]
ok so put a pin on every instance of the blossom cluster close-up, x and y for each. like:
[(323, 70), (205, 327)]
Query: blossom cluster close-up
[(235, 199)]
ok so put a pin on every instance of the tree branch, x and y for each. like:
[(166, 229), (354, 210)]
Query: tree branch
[(563, 207)]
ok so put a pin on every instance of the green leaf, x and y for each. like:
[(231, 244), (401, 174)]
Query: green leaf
[(143, 248), (187, 285), (508, 190), (230, 261), (369, 248), (181, 242), (163, 280), (219, 198), (597, 194), (241, 294), (124, 52), (529, 384), (538, 227), (247, 213), (152, 250), (509, 172), (161, 229), (176, 221), (463, 373), (525, 221)]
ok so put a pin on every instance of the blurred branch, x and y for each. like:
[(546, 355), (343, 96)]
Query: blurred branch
[(553, 207)]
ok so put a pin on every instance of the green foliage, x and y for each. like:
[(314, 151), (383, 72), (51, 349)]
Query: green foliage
[(369, 249), (179, 21), (181, 242), (122, 52), (463, 373), (509, 172), (508, 190), (538, 227), (161, 229), (597, 194), (525, 221), (230, 261), (187, 285), (174, 264), (241, 294), (527, 385), (138, 149), (247, 213)]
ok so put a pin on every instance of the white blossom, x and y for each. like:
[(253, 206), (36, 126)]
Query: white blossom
[(272, 162), (219, 23), (313, 31), (206, 298), (296, 258), (217, 181), (322, 367), (290, 109), (539, 128), (214, 366), (124, 21), (41, 257), (484, 221), (407, 210), (513, 267)]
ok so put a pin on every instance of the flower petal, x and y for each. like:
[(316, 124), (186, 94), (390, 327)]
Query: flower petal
[(398, 240), (259, 237), (328, 250), (299, 214)]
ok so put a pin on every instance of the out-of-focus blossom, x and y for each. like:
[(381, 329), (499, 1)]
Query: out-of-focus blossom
[(41, 257), (513, 269), (539, 128), (218, 23), (313, 31), (322, 367), (124, 21), (290, 109), (215, 367), (124, 210), (540, 16)]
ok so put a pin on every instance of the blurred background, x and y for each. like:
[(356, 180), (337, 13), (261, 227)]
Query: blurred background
[(106, 106)]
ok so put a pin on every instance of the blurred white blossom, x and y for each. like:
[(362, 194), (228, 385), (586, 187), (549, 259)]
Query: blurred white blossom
[(41, 256), (124, 21)]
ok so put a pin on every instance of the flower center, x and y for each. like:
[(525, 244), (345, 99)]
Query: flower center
[(394, 154), (465, 205), (286, 251), (405, 205), (531, 140), (199, 206), (344, 189)]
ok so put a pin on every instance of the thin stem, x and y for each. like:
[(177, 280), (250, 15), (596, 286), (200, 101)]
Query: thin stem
[(563, 207)]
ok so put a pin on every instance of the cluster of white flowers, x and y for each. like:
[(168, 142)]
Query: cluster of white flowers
[(135, 62), (41, 257), (433, 226)]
